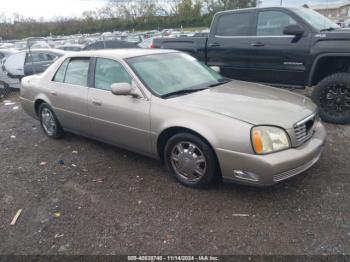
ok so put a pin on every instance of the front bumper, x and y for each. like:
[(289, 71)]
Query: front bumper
[(273, 168)]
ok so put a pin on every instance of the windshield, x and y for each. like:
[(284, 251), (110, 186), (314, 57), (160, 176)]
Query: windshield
[(173, 72), (315, 19)]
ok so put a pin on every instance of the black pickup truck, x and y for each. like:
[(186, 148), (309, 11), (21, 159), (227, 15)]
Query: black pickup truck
[(291, 47)]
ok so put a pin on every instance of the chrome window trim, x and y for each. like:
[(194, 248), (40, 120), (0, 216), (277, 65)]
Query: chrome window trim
[(254, 36)]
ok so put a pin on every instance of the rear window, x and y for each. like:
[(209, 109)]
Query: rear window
[(234, 24), (77, 72), (59, 76)]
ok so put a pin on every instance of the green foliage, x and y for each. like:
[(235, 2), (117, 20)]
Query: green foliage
[(124, 15)]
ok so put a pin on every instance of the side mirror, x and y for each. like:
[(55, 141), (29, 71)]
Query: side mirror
[(293, 30), (216, 69), (124, 89)]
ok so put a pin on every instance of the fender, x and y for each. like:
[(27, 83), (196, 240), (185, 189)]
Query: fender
[(204, 132), (43, 97), (316, 60)]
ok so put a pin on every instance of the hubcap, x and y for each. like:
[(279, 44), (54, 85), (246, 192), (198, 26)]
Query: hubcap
[(335, 99), (188, 161), (48, 121)]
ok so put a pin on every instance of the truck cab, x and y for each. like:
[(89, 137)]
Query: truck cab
[(285, 47)]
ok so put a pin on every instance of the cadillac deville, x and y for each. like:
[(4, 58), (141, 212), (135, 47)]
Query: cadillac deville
[(167, 105)]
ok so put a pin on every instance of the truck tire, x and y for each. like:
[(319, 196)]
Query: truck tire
[(332, 95)]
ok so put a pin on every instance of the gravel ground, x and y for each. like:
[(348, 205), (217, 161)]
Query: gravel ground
[(79, 196)]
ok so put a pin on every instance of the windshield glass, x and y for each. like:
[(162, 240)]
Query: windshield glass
[(173, 72), (315, 19)]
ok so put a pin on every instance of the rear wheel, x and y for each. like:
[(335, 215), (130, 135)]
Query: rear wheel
[(191, 160), (332, 95), (49, 122)]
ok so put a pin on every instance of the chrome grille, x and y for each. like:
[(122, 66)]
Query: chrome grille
[(304, 129)]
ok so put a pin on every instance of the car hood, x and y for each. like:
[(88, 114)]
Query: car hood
[(252, 103)]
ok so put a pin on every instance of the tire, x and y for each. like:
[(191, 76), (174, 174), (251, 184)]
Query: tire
[(194, 151), (49, 122), (4, 89), (332, 95)]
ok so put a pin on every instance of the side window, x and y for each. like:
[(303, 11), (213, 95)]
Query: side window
[(59, 76), (234, 24), (37, 57), (77, 71), (272, 23), (50, 57), (109, 72)]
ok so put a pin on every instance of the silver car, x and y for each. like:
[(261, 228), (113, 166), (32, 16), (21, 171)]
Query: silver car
[(167, 105)]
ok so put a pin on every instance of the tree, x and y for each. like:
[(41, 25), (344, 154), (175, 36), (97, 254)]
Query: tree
[(188, 10), (213, 6)]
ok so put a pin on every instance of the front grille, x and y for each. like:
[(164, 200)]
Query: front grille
[(304, 129)]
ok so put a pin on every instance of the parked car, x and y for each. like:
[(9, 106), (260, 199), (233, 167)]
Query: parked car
[(292, 47), (72, 47), (26, 63), (147, 43), (135, 39), (168, 105), (109, 44), (6, 52)]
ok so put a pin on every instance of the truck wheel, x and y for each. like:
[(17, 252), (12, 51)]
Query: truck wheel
[(332, 95)]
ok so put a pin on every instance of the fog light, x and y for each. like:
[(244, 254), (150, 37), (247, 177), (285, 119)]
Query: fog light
[(246, 175)]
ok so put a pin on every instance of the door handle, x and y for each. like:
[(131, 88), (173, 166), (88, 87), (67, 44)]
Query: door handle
[(257, 44), (53, 93), (214, 45), (97, 103)]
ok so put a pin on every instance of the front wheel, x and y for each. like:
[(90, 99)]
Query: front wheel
[(191, 160), (49, 122), (332, 95)]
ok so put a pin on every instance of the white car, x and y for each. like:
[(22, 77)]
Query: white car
[(25, 63)]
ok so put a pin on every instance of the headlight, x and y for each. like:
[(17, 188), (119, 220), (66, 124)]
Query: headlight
[(268, 139)]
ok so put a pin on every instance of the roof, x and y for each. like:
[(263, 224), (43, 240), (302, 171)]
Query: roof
[(329, 6), (120, 53)]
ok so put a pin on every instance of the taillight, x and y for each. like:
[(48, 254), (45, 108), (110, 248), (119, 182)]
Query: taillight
[(151, 46)]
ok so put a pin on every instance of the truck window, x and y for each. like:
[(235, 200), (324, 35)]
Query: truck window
[(234, 24), (272, 23)]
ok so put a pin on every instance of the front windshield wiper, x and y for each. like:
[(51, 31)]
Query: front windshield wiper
[(183, 91), (328, 29), (221, 82)]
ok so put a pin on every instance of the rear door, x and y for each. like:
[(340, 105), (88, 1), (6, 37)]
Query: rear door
[(37, 62), (275, 57), (68, 92), (120, 120), (228, 43)]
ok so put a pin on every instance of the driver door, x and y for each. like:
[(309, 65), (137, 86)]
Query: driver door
[(279, 58), (116, 119)]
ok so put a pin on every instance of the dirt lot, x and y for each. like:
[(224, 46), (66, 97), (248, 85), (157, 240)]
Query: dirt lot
[(103, 200)]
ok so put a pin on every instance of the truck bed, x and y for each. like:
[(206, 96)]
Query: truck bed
[(195, 46)]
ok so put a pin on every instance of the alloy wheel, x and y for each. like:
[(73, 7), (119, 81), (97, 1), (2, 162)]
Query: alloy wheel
[(188, 161)]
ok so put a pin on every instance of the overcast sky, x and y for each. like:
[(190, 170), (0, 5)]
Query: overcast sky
[(300, 2), (67, 8)]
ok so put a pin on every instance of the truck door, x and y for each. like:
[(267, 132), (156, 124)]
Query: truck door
[(275, 57), (228, 43)]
